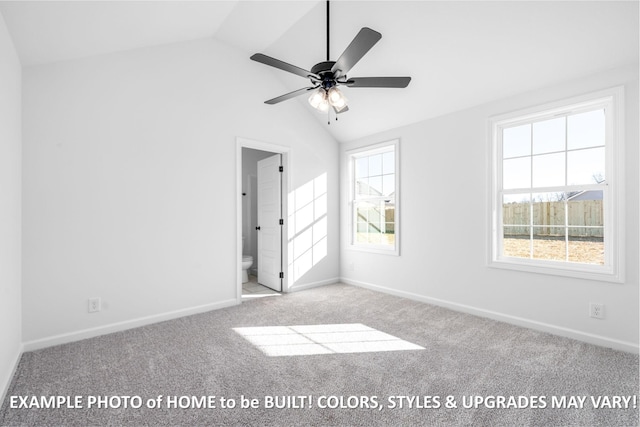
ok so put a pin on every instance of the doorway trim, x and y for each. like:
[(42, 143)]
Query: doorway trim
[(286, 176)]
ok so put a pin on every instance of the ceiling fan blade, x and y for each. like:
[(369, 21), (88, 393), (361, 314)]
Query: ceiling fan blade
[(289, 95), (360, 45), (392, 82), (267, 60)]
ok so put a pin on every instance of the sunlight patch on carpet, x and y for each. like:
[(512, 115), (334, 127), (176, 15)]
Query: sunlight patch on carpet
[(305, 340)]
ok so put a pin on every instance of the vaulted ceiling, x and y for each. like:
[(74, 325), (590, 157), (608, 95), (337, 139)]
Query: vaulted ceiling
[(459, 54)]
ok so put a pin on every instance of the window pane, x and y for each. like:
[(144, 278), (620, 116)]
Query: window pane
[(388, 162), (585, 166), (375, 186), (374, 237), (362, 187), (389, 237), (548, 209), (586, 129), (516, 141), (549, 136), (390, 228), (362, 228), (516, 242), (370, 217), (586, 245), (371, 213), (369, 236), (548, 170), (374, 179), (516, 173), (516, 210), (586, 209), (388, 185), (554, 169), (549, 243), (375, 165), (375, 223), (389, 216), (362, 167)]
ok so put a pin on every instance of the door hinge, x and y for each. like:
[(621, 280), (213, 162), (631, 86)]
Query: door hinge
[(282, 275), (281, 221), (280, 169)]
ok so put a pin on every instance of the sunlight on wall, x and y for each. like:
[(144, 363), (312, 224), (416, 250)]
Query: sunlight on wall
[(322, 339), (307, 219)]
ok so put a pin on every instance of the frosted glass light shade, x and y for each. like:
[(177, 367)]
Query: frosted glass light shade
[(321, 99), (317, 98), (336, 98)]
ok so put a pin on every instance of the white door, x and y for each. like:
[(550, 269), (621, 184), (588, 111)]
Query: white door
[(269, 227)]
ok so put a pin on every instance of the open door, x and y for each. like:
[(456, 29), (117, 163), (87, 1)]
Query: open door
[(270, 222)]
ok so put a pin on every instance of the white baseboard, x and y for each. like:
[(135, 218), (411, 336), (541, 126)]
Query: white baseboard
[(514, 320), (122, 326), (6, 382), (296, 288)]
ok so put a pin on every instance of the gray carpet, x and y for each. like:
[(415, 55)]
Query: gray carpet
[(202, 355)]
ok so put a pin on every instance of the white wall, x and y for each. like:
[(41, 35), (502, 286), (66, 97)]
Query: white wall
[(129, 183), (10, 200), (444, 169)]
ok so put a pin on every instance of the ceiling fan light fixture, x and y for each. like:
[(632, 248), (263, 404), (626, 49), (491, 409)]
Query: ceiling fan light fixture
[(317, 97), (337, 98), (319, 100), (323, 106)]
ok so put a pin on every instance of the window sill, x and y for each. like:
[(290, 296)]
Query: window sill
[(374, 249), (579, 271)]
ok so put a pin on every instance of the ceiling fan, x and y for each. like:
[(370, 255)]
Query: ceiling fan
[(326, 76)]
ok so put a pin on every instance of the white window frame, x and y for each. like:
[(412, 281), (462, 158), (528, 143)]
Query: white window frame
[(612, 100), (352, 155)]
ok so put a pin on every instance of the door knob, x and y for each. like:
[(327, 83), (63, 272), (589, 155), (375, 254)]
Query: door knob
[(258, 228)]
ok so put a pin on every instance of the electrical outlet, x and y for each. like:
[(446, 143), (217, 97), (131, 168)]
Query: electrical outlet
[(596, 310), (94, 305)]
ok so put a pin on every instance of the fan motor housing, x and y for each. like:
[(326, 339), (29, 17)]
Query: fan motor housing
[(323, 69)]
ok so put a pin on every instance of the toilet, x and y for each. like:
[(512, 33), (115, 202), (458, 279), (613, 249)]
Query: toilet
[(247, 262)]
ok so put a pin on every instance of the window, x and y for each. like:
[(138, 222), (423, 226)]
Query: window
[(374, 198), (557, 188)]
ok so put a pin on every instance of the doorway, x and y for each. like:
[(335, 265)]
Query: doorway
[(262, 182)]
